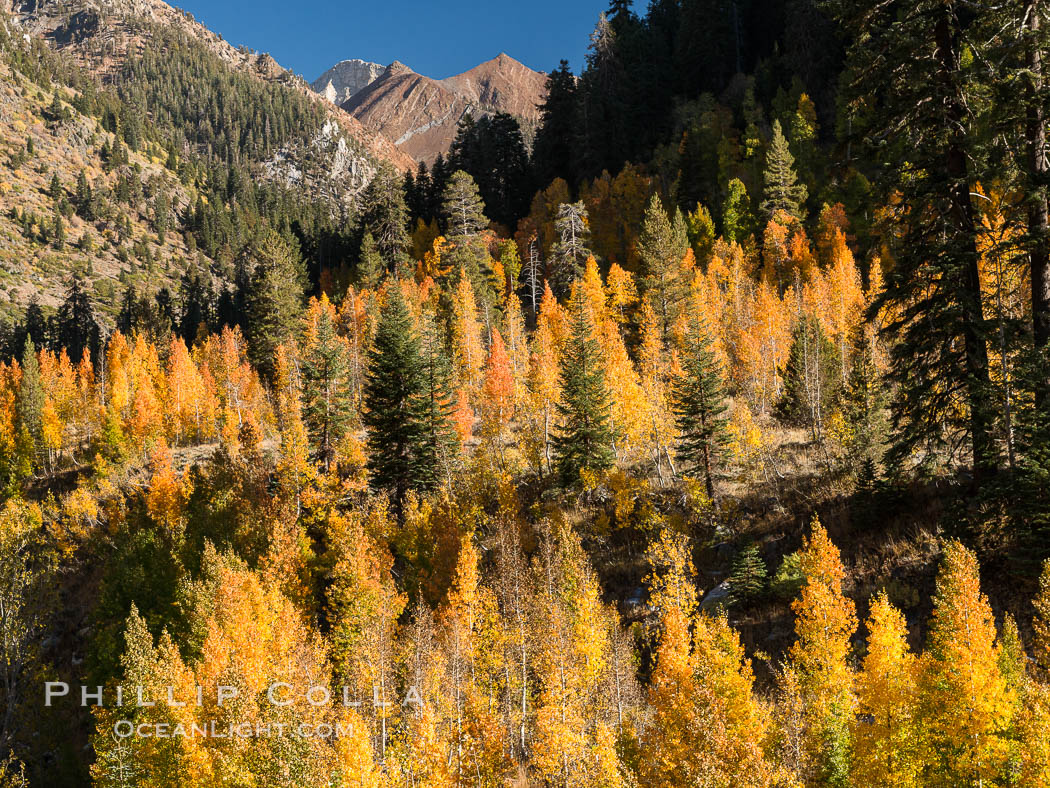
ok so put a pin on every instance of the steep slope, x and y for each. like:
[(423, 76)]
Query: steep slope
[(339, 83), (104, 37), (114, 245), (420, 114)]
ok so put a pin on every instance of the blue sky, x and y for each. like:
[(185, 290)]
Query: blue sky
[(437, 38)]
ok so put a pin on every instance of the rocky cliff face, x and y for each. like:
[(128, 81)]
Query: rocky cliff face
[(339, 83), (420, 114)]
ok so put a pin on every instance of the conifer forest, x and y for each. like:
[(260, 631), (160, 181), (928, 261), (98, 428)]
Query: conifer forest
[(696, 434)]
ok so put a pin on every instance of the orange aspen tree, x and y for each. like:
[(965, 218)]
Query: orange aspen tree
[(497, 401), (846, 299)]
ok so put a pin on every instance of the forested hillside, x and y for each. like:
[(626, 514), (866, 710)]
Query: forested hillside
[(706, 443)]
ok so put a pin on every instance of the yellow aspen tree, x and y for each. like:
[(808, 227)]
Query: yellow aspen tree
[(1041, 621), (468, 356), (660, 429), (517, 344), (364, 604), (622, 292), (885, 729), (544, 379), (571, 742), (965, 700), (294, 469), (825, 620), (469, 624)]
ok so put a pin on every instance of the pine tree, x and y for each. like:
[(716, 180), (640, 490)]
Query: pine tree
[(569, 252), (662, 245), (76, 329), (864, 402), (370, 266), (552, 154), (436, 412), (273, 303), (462, 206), (83, 199), (585, 438), (738, 223), (395, 399), (747, 578), (699, 404), (782, 192), (933, 296), (385, 216), (327, 399)]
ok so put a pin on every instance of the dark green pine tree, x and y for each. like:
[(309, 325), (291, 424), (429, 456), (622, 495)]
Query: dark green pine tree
[(436, 413), (370, 266), (812, 378), (662, 245), (328, 405), (552, 152), (939, 367), (83, 199), (76, 329), (782, 190), (864, 403), (585, 438), (385, 216), (462, 206), (274, 298), (54, 189), (747, 578), (700, 406), (395, 400)]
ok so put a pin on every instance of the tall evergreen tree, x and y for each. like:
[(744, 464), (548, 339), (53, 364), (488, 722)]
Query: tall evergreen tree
[(782, 190), (700, 405), (570, 251), (940, 353), (274, 301), (585, 438), (370, 266), (395, 401), (462, 206), (75, 324), (662, 245), (385, 216), (552, 151), (436, 412), (328, 406)]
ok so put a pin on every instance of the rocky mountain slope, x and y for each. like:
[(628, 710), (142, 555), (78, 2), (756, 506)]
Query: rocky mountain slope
[(102, 35), (420, 114), (117, 245), (339, 83)]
